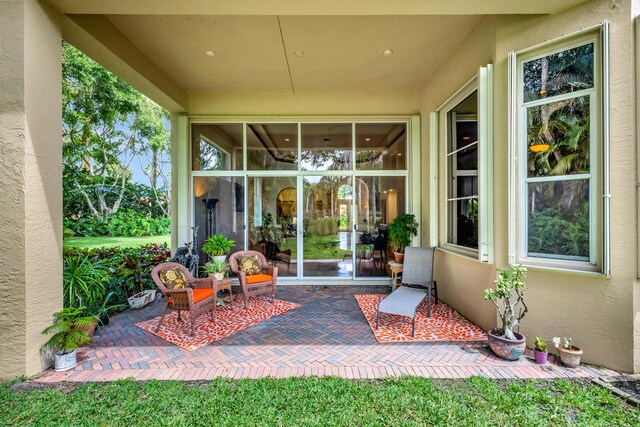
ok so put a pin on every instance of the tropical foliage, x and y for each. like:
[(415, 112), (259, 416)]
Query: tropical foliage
[(107, 125), (69, 329), (106, 277)]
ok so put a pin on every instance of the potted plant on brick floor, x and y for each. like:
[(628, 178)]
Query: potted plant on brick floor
[(508, 297), (218, 246), (569, 354), (401, 230), (540, 352), (69, 331)]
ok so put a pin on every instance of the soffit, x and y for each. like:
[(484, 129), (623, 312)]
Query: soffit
[(253, 54)]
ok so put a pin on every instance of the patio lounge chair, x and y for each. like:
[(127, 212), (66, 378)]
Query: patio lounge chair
[(417, 283), (184, 292), (256, 284)]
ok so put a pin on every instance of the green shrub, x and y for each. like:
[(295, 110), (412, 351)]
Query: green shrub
[(128, 270), (124, 223)]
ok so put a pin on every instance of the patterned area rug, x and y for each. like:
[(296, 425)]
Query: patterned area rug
[(445, 323), (227, 322)]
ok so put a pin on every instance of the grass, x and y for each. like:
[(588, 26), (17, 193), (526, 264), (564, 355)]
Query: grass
[(403, 401), (315, 248), (110, 242)]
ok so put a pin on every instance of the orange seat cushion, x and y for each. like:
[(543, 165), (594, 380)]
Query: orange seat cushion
[(258, 278), (198, 295)]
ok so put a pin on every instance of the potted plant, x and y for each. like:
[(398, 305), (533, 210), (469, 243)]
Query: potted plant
[(540, 351), (217, 246), (508, 297), (102, 311), (401, 230), (569, 354), (216, 268), (69, 333)]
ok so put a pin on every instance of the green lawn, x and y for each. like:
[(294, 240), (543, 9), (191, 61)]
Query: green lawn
[(109, 242), (404, 401), (315, 247)]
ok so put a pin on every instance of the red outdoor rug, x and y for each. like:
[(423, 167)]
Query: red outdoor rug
[(445, 323), (227, 322)]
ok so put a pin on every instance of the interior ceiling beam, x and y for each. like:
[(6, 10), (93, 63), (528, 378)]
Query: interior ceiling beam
[(312, 7)]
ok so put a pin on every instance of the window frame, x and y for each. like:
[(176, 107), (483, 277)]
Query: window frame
[(598, 152), (482, 84)]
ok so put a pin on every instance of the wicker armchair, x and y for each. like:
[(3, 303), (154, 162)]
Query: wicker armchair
[(197, 298), (256, 284)]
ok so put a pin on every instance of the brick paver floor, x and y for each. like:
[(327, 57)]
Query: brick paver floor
[(327, 335)]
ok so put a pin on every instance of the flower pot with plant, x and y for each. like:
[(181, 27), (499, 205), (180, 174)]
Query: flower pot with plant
[(218, 246), (401, 230), (508, 297), (540, 351), (216, 268), (69, 332), (569, 354)]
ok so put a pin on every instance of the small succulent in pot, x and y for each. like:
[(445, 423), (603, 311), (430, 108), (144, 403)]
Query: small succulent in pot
[(569, 354), (540, 351)]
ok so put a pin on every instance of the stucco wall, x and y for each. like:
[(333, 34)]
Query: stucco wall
[(30, 183), (597, 312), (461, 280)]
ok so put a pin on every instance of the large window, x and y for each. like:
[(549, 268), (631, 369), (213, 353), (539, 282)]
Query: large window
[(464, 134), (558, 185), (314, 197), (462, 173)]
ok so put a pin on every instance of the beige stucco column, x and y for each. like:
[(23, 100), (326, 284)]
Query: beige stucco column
[(30, 183)]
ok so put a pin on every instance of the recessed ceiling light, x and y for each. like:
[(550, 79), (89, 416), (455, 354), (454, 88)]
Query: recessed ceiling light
[(367, 139), (298, 53), (387, 52), (286, 140), (399, 154), (211, 53)]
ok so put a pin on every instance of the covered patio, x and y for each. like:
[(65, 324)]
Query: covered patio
[(326, 336)]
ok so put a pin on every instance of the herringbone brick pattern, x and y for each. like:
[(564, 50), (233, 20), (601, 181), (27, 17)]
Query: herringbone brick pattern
[(327, 335)]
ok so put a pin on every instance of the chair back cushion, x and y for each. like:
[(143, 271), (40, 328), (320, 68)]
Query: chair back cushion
[(173, 278), (249, 264)]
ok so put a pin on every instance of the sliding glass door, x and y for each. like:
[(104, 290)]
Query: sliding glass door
[(315, 198)]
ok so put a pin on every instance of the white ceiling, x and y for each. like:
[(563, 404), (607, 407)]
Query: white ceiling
[(342, 54)]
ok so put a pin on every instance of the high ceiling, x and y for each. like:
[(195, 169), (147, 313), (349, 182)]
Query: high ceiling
[(295, 54), (278, 47)]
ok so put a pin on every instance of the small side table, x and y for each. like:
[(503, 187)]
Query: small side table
[(395, 268), (225, 284)]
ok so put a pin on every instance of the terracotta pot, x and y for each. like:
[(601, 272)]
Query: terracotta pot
[(540, 356), (399, 257), (90, 330), (507, 349), (570, 357)]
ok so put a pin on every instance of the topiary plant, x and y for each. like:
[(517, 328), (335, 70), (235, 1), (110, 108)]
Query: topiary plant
[(401, 230)]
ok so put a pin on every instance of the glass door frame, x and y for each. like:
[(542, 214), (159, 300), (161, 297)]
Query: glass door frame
[(409, 173)]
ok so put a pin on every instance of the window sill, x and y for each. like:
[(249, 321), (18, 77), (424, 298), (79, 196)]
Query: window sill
[(460, 250), (586, 270)]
